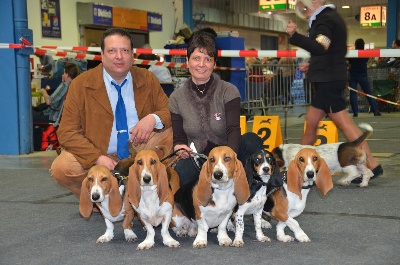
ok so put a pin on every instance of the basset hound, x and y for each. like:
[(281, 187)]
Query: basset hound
[(307, 168), (263, 175), (209, 201), (343, 157), (101, 187), (150, 193)]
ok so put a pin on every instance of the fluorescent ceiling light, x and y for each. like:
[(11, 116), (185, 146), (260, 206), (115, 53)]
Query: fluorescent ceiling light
[(345, 6)]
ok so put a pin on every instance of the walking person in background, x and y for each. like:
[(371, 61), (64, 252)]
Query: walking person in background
[(327, 72), (358, 75)]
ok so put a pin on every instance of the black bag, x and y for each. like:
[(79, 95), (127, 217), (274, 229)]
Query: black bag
[(41, 107), (37, 138)]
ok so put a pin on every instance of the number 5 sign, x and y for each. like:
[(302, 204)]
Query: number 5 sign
[(269, 129)]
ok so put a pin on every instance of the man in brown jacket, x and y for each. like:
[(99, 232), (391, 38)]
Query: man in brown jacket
[(87, 131)]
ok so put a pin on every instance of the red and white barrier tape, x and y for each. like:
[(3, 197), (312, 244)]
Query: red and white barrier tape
[(371, 96), (223, 53)]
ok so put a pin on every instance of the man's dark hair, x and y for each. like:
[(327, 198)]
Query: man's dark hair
[(204, 41), (397, 41), (115, 31), (359, 44), (72, 70)]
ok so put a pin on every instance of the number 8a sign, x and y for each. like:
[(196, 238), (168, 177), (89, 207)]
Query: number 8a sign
[(327, 133)]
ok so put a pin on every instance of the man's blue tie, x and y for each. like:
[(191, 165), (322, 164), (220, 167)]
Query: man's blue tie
[(121, 124)]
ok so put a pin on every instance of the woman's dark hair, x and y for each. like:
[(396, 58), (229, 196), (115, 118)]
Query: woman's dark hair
[(202, 40), (72, 70), (115, 31), (397, 41), (359, 44)]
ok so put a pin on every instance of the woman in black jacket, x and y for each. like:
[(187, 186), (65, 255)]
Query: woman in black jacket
[(327, 71)]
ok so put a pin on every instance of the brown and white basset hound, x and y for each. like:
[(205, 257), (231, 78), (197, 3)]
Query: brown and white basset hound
[(343, 157), (307, 168), (101, 187), (150, 193), (209, 201)]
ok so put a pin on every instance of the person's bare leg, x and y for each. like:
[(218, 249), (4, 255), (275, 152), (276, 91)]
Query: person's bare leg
[(351, 131), (313, 117)]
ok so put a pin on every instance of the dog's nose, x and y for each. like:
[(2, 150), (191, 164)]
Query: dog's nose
[(218, 175), (265, 169), (95, 196), (146, 179), (310, 174)]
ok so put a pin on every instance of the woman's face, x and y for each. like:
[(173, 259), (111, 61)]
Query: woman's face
[(65, 77), (200, 66)]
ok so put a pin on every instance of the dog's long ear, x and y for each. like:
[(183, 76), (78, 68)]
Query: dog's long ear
[(294, 182), (324, 178), (163, 189), (241, 189), (85, 204), (115, 198), (249, 169), (276, 177), (204, 185), (133, 186)]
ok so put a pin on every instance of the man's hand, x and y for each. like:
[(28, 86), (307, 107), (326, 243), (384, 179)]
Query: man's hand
[(182, 154), (141, 132), (291, 28), (106, 161), (304, 67)]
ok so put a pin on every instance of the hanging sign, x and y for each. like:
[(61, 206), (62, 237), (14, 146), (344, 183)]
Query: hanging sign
[(272, 5), (371, 16)]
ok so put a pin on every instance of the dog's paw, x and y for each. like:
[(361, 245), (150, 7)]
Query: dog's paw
[(192, 232), (130, 236), (263, 238), (172, 244), (200, 243), (104, 239), (303, 238), (238, 243), (343, 182), (231, 227), (225, 241), (363, 184), (265, 224), (145, 245), (285, 238), (180, 232)]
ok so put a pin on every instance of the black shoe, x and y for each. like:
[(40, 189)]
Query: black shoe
[(355, 115), (357, 180), (377, 114), (378, 171)]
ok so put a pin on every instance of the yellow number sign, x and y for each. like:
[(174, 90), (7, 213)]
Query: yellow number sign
[(327, 133), (243, 125), (269, 129)]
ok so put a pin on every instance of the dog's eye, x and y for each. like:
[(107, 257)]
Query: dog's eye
[(227, 159), (301, 159), (257, 160), (140, 162), (104, 179), (315, 158), (152, 162), (90, 179), (212, 159)]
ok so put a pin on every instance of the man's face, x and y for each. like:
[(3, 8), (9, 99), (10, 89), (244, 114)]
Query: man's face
[(117, 56)]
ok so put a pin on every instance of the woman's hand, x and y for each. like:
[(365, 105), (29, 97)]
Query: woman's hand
[(182, 153)]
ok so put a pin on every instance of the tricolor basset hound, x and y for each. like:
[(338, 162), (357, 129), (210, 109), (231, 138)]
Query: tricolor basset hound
[(101, 187), (262, 174), (209, 201), (150, 193), (289, 201), (346, 157)]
